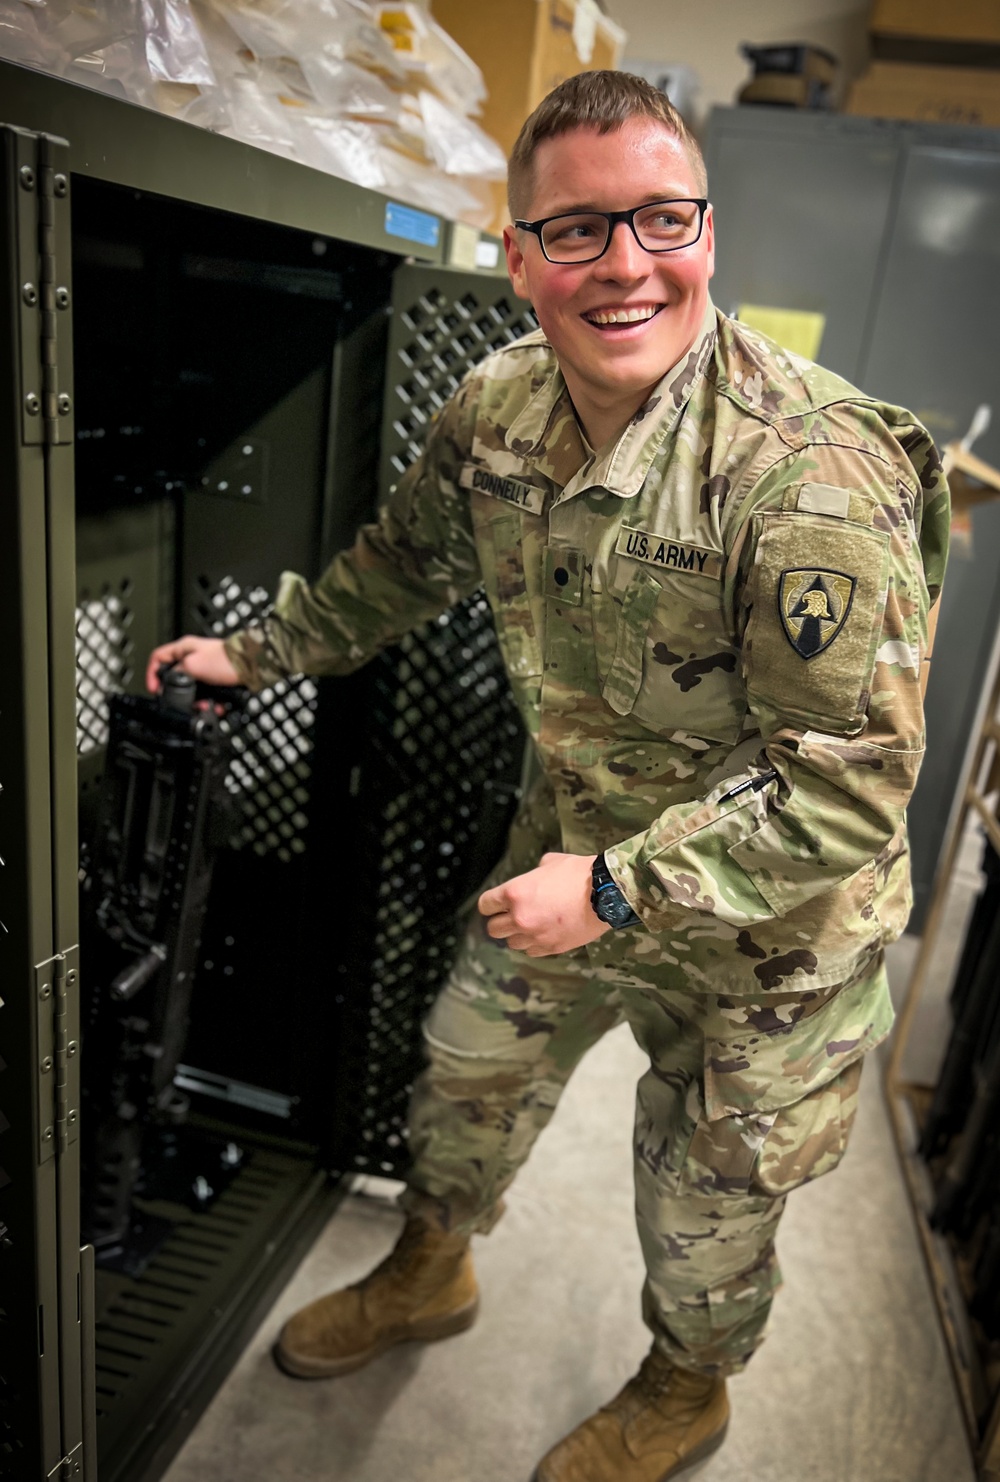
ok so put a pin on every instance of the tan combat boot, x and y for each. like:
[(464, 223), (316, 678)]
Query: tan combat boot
[(424, 1289), (665, 1422)]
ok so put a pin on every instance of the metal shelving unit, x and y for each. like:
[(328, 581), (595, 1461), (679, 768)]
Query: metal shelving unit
[(909, 1101)]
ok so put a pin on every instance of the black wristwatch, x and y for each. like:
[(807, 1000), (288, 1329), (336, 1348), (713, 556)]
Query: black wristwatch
[(607, 900)]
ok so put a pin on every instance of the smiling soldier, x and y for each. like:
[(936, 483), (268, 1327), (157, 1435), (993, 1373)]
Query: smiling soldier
[(710, 564)]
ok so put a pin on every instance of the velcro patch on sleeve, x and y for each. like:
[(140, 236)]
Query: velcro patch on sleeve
[(824, 499), (831, 500), (669, 555), (818, 599)]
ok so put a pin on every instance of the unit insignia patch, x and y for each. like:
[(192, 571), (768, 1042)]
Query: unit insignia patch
[(814, 605)]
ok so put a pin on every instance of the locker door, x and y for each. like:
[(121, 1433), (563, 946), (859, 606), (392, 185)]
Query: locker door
[(436, 775), (46, 1395)]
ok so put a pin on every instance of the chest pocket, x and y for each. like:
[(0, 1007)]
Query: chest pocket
[(666, 656), (499, 541)]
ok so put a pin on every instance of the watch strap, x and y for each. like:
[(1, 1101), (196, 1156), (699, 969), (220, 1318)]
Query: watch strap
[(606, 898)]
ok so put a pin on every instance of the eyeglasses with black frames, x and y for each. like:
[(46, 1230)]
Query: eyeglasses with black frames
[(584, 236)]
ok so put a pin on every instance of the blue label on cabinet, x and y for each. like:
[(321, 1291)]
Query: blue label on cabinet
[(415, 226)]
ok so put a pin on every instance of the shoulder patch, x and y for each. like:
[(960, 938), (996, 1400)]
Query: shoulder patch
[(817, 597), (814, 605)]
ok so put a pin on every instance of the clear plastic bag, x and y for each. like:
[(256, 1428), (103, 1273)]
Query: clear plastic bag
[(118, 68), (268, 29), (423, 185), (175, 50), (366, 44), (347, 89), (431, 57), (349, 150), (457, 144), (257, 117), (22, 38), (319, 81)]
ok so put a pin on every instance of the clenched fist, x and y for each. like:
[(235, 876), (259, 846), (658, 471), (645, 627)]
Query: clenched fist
[(547, 910), (203, 658)]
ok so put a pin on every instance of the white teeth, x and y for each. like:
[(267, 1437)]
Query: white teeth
[(621, 316)]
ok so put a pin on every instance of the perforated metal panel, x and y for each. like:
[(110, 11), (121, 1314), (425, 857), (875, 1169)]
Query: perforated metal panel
[(443, 322), (434, 802), (104, 655), (270, 771), (436, 787)]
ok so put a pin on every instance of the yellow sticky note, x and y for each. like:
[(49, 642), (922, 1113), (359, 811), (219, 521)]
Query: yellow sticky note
[(797, 330)]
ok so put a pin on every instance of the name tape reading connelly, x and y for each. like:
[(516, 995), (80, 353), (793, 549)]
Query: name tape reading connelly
[(513, 491), (644, 545)]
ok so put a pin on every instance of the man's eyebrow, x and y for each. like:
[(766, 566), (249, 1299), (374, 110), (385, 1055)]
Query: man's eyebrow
[(646, 200)]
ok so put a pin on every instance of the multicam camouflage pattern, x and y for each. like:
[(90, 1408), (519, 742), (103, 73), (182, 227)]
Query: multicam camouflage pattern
[(736, 1109), (734, 591)]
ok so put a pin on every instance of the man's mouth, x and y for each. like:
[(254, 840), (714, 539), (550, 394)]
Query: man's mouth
[(611, 318)]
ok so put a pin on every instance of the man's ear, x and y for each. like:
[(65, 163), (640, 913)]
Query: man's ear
[(709, 229), (515, 262)]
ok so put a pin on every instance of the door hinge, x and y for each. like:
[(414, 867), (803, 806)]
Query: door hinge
[(70, 1466), (53, 200), (58, 1068), (42, 199)]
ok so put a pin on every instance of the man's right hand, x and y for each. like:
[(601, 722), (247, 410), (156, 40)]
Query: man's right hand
[(203, 658)]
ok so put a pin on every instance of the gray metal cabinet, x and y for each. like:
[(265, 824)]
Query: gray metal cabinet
[(892, 231)]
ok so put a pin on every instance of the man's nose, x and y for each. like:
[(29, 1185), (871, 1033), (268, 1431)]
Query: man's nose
[(624, 257)]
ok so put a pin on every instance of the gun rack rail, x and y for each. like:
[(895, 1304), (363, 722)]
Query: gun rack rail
[(972, 481), (180, 1322)]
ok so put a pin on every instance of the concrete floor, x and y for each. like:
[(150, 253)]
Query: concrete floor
[(852, 1386)]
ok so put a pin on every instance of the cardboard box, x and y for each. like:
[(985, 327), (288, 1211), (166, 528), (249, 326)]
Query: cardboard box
[(959, 33), (524, 49), (961, 95)]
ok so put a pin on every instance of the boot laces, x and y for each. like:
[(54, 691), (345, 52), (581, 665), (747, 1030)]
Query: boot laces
[(398, 1258), (647, 1389), (652, 1383)]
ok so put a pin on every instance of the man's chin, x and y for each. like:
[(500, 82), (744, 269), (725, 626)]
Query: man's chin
[(626, 375)]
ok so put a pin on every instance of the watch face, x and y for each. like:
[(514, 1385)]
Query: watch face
[(613, 908)]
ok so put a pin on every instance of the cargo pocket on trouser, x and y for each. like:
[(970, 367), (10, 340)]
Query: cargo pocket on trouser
[(777, 1113), (775, 1151), (709, 1248), (809, 1138)]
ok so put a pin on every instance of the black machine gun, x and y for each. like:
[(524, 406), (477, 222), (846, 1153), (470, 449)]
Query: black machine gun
[(163, 815)]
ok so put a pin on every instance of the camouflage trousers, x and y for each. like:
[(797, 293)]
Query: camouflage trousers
[(727, 1122)]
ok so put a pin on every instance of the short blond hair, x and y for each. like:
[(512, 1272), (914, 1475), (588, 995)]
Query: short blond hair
[(594, 100)]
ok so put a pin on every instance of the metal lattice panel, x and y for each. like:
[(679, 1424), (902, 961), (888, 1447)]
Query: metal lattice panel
[(271, 767), (434, 804), (439, 777), (104, 655), (438, 337)]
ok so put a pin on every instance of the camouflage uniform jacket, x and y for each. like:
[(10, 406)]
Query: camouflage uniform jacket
[(735, 590)]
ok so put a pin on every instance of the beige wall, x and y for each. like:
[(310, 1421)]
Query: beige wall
[(706, 35)]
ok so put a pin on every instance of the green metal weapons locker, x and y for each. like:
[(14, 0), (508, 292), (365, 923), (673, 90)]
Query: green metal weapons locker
[(212, 361)]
